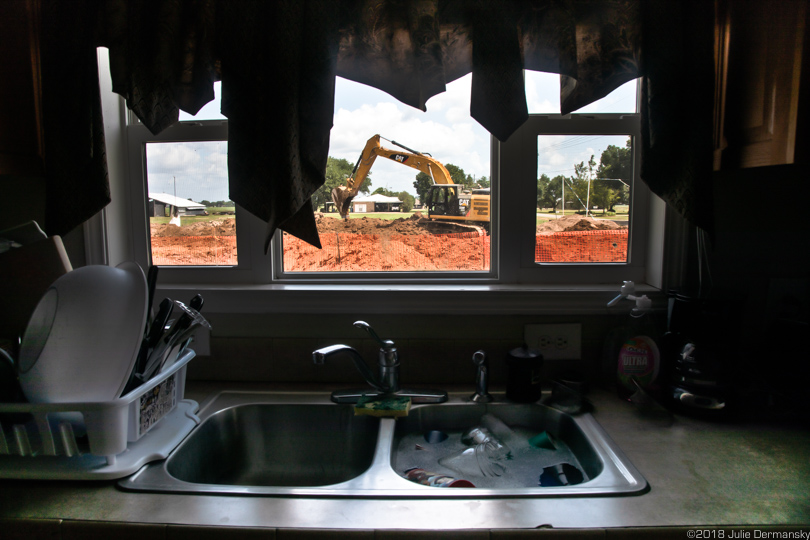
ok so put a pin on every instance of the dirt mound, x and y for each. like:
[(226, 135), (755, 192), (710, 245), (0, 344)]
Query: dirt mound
[(214, 227), (414, 224), (577, 223)]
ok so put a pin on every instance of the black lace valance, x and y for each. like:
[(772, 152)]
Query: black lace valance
[(277, 61)]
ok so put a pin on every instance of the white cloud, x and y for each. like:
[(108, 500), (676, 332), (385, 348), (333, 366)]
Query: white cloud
[(445, 131), (558, 154), (194, 170), (542, 92)]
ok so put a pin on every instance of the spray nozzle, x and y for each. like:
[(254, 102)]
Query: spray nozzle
[(628, 291)]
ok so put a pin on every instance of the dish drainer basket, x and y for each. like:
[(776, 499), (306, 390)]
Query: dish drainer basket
[(97, 440)]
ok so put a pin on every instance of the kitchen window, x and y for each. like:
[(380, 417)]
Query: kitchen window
[(191, 220), (590, 155), (509, 170), (181, 217), (435, 164)]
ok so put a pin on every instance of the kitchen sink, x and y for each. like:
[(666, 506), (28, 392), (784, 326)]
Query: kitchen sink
[(433, 438), (303, 445), (277, 445)]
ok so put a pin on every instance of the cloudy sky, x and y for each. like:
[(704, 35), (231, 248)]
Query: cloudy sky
[(446, 131)]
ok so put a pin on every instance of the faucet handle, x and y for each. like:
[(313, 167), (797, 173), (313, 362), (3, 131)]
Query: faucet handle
[(387, 344), (482, 394)]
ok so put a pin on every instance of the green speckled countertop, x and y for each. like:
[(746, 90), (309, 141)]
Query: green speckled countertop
[(700, 473)]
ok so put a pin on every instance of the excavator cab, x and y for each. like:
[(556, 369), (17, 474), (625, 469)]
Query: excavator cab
[(447, 200)]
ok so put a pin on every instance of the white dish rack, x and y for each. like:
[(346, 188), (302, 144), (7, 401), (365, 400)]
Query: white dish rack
[(98, 440)]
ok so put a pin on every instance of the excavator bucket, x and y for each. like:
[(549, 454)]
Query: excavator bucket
[(342, 199)]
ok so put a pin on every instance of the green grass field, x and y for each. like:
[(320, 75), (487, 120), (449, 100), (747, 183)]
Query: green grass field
[(187, 220)]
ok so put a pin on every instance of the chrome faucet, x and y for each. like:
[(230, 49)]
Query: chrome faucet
[(384, 384), (482, 394)]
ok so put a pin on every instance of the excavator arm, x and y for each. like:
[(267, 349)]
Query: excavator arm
[(343, 195)]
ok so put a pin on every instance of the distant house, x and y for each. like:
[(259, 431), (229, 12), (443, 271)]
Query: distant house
[(160, 202), (376, 203)]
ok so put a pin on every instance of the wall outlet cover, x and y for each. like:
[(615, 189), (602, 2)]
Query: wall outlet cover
[(555, 341)]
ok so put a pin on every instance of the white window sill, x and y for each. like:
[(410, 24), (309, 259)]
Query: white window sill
[(405, 299)]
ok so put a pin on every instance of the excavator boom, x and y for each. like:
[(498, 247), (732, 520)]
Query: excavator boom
[(446, 200), (342, 195)]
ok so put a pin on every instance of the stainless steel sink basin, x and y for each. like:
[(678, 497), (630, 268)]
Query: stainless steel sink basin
[(432, 438), (303, 445), (277, 445)]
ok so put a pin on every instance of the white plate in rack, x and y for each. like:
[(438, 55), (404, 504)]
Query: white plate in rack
[(83, 338)]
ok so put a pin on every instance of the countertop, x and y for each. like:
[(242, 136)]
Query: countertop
[(700, 472)]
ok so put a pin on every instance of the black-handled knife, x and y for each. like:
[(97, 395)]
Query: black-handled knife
[(197, 302), (160, 321), (150, 340)]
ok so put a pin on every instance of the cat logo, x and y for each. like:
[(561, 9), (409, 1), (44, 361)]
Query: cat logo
[(402, 158)]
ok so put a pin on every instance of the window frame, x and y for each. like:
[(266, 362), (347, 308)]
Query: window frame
[(120, 231), (252, 266), (396, 277), (518, 174), (514, 180)]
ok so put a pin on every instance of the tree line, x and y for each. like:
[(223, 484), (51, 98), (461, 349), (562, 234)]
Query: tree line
[(217, 203), (602, 186)]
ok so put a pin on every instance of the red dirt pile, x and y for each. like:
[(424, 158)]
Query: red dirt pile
[(577, 223), (214, 227), (415, 224), (412, 243)]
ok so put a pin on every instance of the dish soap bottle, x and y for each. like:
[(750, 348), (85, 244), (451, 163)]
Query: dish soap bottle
[(639, 356), (634, 350)]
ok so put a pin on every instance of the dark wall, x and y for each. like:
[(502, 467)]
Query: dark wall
[(761, 225), (760, 269), (24, 200)]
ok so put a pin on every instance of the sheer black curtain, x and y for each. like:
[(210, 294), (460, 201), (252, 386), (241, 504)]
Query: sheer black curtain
[(278, 60)]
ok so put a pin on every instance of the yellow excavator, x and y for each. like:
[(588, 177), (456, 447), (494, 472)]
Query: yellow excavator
[(445, 200)]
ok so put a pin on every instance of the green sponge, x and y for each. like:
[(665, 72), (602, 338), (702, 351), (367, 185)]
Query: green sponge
[(388, 407)]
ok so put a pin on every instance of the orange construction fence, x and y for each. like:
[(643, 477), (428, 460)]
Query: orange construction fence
[(344, 252), (582, 246), (194, 250)]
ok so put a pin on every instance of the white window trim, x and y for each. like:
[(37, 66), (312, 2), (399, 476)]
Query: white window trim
[(511, 288), (253, 266), (518, 174)]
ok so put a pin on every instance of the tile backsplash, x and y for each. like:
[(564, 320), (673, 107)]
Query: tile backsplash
[(433, 349)]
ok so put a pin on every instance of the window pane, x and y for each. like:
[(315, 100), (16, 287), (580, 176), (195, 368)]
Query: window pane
[(191, 220), (543, 96), (441, 155), (583, 198)]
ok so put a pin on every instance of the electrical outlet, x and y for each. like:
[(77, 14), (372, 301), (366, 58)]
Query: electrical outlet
[(555, 341)]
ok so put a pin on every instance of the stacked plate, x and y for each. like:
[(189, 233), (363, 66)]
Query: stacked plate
[(83, 338)]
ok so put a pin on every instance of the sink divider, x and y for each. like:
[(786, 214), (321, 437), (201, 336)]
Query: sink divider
[(381, 473)]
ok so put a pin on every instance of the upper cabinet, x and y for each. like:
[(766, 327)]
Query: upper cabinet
[(760, 52)]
